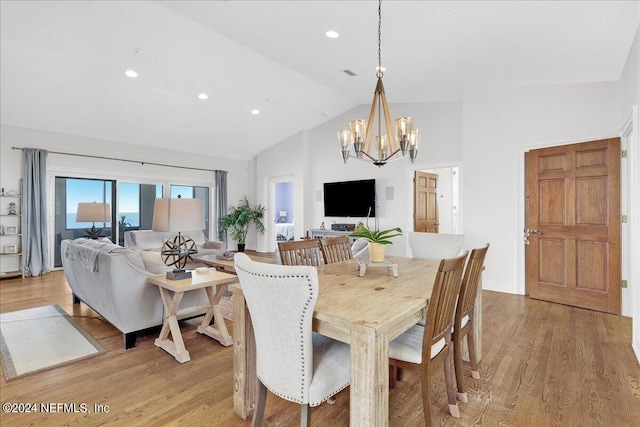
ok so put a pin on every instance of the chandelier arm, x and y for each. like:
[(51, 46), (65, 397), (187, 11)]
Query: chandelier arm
[(391, 136)]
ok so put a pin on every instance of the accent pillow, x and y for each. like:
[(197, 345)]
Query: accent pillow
[(153, 262), (131, 256)]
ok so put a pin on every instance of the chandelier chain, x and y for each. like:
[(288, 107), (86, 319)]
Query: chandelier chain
[(379, 73)]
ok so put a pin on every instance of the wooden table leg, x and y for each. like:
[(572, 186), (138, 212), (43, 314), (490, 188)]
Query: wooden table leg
[(170, 325), (369, 390), (218, 330), (245, 380)]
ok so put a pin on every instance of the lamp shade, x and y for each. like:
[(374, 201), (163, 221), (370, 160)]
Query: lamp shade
[(178, 215), (94, 212)]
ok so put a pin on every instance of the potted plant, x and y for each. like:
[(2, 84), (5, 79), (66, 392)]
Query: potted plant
[(238, 220), (377, 239)]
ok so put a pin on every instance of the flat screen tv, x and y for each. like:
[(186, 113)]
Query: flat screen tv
[(350, 198)]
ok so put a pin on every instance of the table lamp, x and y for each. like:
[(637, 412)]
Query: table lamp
[(94, 212), (178, 215)]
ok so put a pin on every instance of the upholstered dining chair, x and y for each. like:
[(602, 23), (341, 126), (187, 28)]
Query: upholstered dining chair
[(300, 252), (463, 323), (336, 249), (435, 245), (292, 361), (422, 347)]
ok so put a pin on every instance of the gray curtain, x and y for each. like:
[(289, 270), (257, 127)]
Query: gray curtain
[(221, 203), (35, 235)]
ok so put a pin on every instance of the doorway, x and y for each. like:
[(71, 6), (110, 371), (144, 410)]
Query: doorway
[(441, 202), (280, 217)]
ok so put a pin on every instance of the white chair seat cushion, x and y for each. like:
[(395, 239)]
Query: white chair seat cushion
[(408, 346), (464, 321), (331, 368)]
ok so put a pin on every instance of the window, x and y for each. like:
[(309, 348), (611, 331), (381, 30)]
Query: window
[(68, 193)]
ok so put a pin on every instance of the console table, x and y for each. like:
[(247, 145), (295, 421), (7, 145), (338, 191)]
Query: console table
[(171, 291)]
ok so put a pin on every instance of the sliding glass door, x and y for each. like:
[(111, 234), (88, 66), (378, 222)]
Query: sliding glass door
[(135, 206), (69, 192)]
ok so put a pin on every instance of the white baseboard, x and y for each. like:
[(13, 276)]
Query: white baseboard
[(506, 288)]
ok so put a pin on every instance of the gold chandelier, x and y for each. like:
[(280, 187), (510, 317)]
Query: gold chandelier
[(389, 145)]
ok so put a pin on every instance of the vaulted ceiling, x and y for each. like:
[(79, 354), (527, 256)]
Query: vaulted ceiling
[(63, 63)]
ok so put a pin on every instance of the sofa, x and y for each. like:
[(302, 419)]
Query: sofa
[(147, 240), (112, 280)]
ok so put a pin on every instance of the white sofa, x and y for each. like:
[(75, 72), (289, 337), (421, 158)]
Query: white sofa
[(147, 240), (112, 281)]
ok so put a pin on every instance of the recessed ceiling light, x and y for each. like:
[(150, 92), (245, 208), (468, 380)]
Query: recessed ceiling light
[(255, 112), (131, 73), (332, 34), (203, 96)]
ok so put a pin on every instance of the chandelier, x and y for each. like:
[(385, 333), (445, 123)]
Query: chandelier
[(388, 145)]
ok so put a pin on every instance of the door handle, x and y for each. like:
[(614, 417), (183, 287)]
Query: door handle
[(528, 232)]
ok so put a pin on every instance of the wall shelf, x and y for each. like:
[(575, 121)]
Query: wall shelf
[(13, 239)]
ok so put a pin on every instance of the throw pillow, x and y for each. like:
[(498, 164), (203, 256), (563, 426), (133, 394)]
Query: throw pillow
[(153, 262)]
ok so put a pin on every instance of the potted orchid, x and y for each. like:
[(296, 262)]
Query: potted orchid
[(378, 239)]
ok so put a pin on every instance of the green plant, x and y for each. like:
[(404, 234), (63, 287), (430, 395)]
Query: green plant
[(123, 224), (240, 217), (377, 236)]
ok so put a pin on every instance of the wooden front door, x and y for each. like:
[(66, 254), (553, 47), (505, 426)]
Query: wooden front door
[(425, 214), (573, 201)]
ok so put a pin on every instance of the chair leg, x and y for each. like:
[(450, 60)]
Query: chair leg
[(448, 378), (426, 397), (392, 375), (305, 416), (258, 413), (399, 373), (475, 373), (457, 361)]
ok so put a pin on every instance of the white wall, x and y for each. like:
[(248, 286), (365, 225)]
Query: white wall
[(239, 173), (499, 125), (286, 159)]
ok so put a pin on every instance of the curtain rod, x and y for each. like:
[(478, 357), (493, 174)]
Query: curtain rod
[(126, 160)]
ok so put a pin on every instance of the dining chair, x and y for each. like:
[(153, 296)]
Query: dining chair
[(336, 249), (435, 245), (463, 322), (300, 252), (292, 361), (421, 347)]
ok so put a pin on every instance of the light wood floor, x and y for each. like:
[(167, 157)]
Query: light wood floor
[(544, 365)]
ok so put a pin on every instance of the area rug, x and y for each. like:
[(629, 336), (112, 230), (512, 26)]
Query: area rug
[(42, 338)]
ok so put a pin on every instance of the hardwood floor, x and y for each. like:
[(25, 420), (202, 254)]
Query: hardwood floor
[(543, 365)]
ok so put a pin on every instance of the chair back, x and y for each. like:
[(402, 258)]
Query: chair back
[(435, 245), (442, 303), (470, 282), (300, 252), (336, 249), (281, 301)]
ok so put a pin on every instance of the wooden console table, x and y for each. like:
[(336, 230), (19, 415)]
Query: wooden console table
[(214, 283)]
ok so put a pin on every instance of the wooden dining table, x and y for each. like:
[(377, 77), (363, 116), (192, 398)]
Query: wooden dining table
[(364, 312)]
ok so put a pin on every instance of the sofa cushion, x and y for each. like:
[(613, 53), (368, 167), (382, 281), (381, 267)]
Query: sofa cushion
[(153, 262), (132, 256)]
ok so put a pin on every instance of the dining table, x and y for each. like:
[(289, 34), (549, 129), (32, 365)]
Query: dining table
[(366, 312)]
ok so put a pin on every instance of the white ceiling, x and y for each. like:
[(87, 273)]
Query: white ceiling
[(63, 62)]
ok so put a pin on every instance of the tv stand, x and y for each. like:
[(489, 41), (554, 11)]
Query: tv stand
[(320, 233)]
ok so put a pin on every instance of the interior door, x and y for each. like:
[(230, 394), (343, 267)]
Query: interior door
[(425, 215), (573, 217)]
